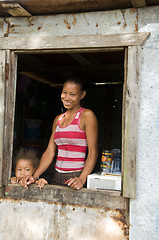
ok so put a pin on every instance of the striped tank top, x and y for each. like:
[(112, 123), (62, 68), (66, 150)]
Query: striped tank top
[(72, 145)]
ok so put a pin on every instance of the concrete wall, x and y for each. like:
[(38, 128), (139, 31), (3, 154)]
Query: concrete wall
[(73, 24), (144, 210)]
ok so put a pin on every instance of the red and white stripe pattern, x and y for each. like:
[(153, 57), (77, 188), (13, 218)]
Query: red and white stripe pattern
[(72, 145)]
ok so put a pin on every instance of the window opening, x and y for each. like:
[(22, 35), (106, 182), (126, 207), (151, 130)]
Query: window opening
[(39, 81)]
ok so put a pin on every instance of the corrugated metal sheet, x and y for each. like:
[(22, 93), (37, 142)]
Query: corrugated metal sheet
[(39, 220)]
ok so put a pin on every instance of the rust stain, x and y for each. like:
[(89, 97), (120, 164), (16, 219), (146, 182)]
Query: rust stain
[(96, 24), (136, 24), (39, 28), (67, 24), (125, 24), (13, 26), (86, 19), (132, 10), (119, 218), (7, 71), (7, 32), (74, 20), (118, 23), (29, 21)]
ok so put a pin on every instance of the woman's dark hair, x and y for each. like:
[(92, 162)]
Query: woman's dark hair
[(26, 154), (78, 81)]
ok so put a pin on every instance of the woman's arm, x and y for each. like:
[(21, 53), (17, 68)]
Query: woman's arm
[(45, 160), (91, 129)]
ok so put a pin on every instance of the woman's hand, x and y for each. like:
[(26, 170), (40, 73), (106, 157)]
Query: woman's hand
[(75, 183), (24, 182), (41, 182)]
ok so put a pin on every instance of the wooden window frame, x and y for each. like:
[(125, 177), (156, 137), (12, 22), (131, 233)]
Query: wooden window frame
[(12, 46)]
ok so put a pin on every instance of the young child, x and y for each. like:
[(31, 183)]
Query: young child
[(26, 162)]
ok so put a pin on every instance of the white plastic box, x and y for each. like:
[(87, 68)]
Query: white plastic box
[(107, 182)]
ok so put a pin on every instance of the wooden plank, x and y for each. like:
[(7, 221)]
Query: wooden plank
[(10, 90), (41, 7), (127, 206), (138, 3), (58, 194), (130, 132), (77, 50), (2, 102), (37, 77), (73, 42), (124, 113), (15, 10), (80, 59)]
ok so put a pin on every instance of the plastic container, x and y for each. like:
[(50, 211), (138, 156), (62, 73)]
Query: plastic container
[(106, 162), (116, 154)]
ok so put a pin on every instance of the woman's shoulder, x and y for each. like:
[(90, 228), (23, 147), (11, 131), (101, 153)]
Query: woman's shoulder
[(88, 114), (88, 119), (57, 118)]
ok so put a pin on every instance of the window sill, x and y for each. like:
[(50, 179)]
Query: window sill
[(65, 195)]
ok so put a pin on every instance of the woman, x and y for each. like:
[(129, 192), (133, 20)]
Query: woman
[(73, 132)]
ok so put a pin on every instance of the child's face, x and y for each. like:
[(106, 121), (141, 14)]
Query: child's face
[(24, 168)]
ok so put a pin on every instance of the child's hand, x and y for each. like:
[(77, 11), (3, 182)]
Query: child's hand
[(14, 180), (41, 182), (26, 181)]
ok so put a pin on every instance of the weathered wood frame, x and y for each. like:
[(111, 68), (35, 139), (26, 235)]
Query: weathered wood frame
[(11, 47)]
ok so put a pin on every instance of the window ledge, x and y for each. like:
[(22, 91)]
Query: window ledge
[(65, 195)]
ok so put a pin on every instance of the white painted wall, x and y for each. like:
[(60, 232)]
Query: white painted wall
[(144, 210)]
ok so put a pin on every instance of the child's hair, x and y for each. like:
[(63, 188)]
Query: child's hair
[(26, 154)]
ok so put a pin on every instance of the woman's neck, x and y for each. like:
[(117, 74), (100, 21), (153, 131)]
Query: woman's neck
[(74, 110)]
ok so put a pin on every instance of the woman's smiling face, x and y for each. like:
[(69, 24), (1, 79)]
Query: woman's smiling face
[(71, 95)]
